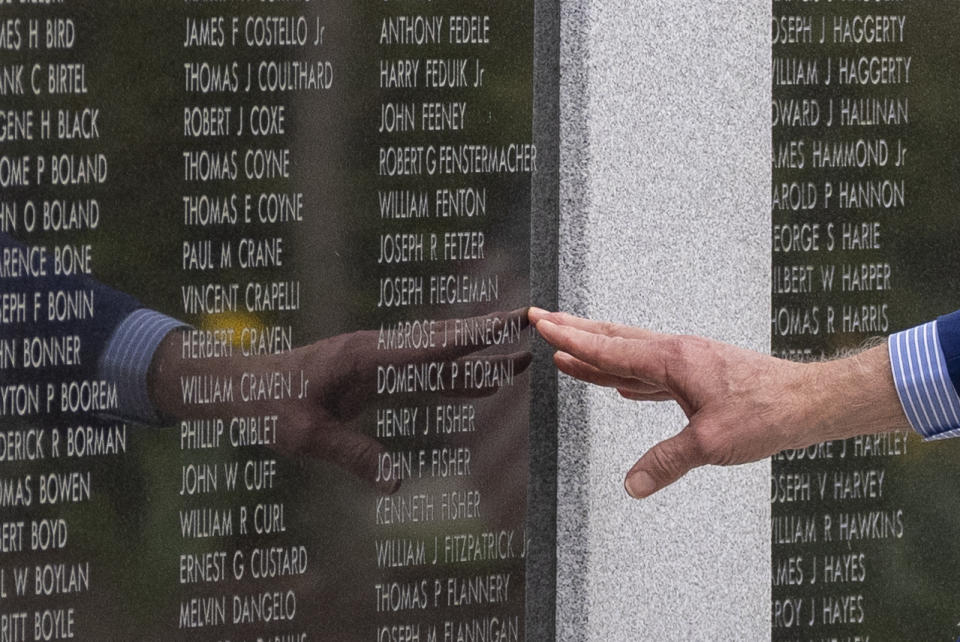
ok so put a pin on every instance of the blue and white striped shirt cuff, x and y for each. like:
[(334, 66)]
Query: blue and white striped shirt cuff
[(927, 394), (126, 361)]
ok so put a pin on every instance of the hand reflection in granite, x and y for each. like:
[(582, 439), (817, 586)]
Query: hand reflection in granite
[(316, 393)]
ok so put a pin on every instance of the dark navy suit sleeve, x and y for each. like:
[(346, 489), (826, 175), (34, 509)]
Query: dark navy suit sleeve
[(40, 308), (948, 332)]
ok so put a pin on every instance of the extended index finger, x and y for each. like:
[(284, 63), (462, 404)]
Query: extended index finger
[(644, 359), (591, 374), (605, 328)]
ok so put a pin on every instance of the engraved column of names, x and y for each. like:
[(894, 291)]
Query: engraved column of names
[(241, 291), (840, 113), (445, 572), (51, 172)]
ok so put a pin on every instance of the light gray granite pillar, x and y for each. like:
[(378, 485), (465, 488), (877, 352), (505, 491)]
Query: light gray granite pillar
[(664, 222)]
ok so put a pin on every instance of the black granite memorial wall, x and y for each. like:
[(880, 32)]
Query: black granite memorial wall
[(865, 192), (334, 199)]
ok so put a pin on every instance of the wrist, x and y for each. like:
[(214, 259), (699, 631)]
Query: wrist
[(854, 396)]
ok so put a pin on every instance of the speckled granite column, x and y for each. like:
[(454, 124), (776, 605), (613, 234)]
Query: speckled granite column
[(664, 199)]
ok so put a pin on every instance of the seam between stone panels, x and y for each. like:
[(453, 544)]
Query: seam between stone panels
[(574, 285)]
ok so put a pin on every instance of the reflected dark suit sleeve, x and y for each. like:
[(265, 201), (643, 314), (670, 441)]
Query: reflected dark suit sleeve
[(93, 329)]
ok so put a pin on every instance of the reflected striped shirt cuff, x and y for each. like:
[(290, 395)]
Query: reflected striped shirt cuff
[(923, 382), (127, 358)]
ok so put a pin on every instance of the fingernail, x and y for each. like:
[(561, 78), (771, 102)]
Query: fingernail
[(537, 315), (543, 325), (639, 485)]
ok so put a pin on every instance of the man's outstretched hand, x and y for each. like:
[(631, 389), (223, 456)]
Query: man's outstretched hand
[(741, 406)]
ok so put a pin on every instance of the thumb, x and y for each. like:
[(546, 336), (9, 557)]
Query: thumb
[(664, 464), (357, 454)]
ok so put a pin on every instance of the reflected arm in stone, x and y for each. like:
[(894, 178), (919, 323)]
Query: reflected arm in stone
[(310, 399), (63, 329), (741, 406)]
